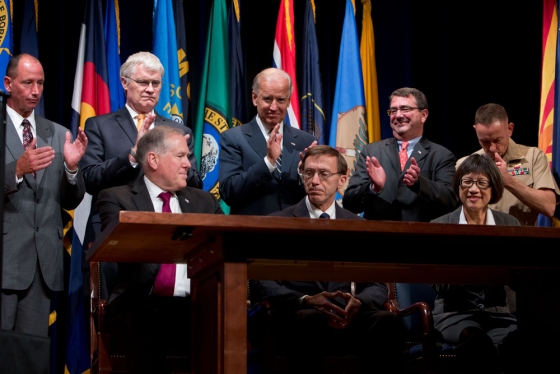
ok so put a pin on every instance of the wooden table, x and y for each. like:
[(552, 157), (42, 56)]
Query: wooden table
[(223, 252)]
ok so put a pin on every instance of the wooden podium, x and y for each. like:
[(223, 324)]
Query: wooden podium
[(223, 252)]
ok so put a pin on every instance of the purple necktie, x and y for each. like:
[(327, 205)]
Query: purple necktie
[(164, 284), (27, 136)]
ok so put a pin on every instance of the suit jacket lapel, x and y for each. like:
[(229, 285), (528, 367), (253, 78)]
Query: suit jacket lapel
[(141, 197), (44, 138), (126, 122), (255, 137), (13, 142), (421, 151), (184, 201), (289, 151), (391, 150), (301, 210)]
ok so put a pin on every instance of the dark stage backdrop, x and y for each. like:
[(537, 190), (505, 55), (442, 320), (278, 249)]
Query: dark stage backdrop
[(461, 55)]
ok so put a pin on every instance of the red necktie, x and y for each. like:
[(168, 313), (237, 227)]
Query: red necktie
[(403, 154), (27, 136), (164, 284)]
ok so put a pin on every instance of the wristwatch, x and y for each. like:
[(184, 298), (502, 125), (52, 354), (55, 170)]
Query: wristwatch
[(132, 153)]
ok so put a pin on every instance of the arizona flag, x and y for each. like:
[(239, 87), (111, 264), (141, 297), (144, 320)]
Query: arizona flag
[(90, 98), (165, 48), (549, 133), (6, 38), (348, 132), (284, 55)]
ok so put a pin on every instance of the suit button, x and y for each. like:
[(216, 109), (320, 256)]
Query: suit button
[(37, 229)]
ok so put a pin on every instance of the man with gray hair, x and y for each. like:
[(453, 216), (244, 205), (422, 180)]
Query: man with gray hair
[(259, 160), (150, 316), (110, 157)]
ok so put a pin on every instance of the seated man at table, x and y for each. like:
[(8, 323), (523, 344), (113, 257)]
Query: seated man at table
[(149, 314), (311, 319)]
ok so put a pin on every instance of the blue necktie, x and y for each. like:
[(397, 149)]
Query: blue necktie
[(324, 215), (279, 165)]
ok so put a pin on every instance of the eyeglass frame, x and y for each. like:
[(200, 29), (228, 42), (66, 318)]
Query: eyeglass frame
[(318, 172), (473, 182), (144, 83), (403, 109)]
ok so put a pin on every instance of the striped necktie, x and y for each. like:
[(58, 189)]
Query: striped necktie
[(27, 136), (279, 165)]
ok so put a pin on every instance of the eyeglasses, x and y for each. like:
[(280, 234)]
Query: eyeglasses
[(323, 174), (481, 183), (145, 83), (403, 109)]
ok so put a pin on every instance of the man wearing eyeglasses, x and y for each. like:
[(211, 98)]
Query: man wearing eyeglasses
[(407, 177), (110, 158), (314, 319), (530, 188)]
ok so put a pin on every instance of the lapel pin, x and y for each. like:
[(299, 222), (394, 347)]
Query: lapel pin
[(187, 201), (294, 144)]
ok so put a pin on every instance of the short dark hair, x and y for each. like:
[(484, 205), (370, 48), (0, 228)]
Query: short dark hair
[(480, 164), (327, 150), (155, 141), (420, 98), (490, 113)]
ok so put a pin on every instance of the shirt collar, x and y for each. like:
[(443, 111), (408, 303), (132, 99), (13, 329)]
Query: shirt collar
[(315, 213), (17, 119), (489, 218), (132, 112), (411, 143), (154, 190), (266, 132)]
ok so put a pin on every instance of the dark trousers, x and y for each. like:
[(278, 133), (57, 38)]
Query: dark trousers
[(148, 328), (377, 336)]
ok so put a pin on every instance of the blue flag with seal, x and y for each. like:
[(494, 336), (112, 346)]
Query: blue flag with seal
[(165, 48), (348, 132)]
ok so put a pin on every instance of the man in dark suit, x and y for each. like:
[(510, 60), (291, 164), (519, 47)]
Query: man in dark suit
[(311, 319), (152, 323), (41, 178), (259, 160), (110, 156), (420, 189)]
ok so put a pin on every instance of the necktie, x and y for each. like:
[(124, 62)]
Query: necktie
[(279, 165), (325, 215), (27, 136), (403, 155), (164, 284), (140, 121)]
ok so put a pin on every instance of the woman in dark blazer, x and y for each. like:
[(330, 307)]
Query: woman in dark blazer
[(477, 318)]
